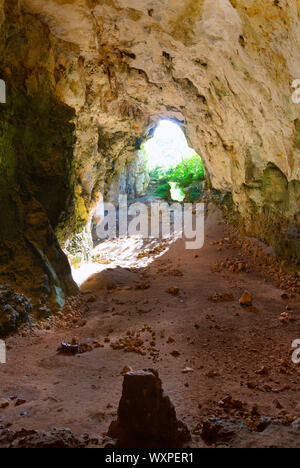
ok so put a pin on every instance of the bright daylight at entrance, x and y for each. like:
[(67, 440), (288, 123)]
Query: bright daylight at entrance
[(150, 226), (176, 170)]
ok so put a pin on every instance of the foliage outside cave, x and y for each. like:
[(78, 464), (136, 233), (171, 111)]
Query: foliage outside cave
[(182, 183), (176, 171)]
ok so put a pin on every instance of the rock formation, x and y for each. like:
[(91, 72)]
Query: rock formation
[(270, 433), (146, 416), (14, 309), (57, 438), (88, 80)]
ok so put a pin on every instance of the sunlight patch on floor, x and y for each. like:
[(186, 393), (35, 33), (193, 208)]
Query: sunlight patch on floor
[(125, 252)]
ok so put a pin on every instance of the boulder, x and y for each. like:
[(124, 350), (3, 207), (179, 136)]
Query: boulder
[(146, 416), (14, 309)]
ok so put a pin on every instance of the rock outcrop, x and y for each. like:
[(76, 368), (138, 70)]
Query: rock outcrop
[(14, 310), (88, 80), (146, 416), (269, 433), (36, 161), (62, 438)]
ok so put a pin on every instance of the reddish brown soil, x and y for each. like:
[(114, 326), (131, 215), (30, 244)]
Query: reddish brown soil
[(222, 342)]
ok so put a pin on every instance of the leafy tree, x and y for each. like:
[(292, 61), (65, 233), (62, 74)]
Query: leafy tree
[(164, 191), (188, 173)]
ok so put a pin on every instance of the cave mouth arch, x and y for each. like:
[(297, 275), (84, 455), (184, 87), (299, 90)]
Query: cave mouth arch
[(168, 145), (176, 172), (161, 167)]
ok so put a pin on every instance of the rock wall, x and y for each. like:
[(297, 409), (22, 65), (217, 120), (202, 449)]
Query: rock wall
[(223, 69), (112, 68), (36, 153)]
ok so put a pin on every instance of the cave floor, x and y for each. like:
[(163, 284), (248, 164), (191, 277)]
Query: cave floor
[(244, 352)]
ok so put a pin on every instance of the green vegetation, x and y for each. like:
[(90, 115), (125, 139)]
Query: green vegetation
[(181, 183), (175, 170)]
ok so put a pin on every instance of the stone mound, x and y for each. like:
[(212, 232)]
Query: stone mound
[(146, 416)]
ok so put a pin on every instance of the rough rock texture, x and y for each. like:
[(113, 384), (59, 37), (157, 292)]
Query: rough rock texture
[(217, 430), (36, 150), (146, 416), (88, 80), (222, 68), (236, 434), (14, 309), (57, 438)]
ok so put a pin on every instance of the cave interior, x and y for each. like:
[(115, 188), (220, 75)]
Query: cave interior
[(95, 95)]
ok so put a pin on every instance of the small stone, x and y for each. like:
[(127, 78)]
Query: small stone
[(246, 299), (277, 404), (126, 370), (251, 385), (187, 370), (4, 403), (211, 374), (285, 296), (97, 344), (174, 291), (262, 371), (20, 401)]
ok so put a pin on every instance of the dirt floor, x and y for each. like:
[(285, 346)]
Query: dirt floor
[(184, 305)]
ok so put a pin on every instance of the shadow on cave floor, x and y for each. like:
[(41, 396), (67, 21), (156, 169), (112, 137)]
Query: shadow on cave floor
[(184, 306), (126, 251), (129, 251)]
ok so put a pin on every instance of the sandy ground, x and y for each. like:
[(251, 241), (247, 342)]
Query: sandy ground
[(232, 350)]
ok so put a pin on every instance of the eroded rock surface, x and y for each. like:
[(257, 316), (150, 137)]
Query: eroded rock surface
[(14, 310), (236, 434), (217, 430), (222, 68), (87, 80), (57, 438)]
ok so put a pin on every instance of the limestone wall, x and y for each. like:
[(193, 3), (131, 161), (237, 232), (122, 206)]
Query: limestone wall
[(108, 70)]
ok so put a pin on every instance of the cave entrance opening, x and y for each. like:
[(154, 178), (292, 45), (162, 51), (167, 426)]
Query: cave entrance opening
[(175, 170), (176, 173)]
